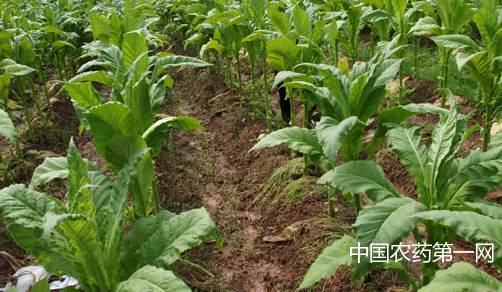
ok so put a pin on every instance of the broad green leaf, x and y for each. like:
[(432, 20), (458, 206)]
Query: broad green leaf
[(386, 72), (462, 277), (461, 15), (387, 222), (399, 8), (87, 256), (41, 286), (84, 94), (158, 92), (473, 226), (212, 44), (11, 67), (493, 210), (181, 232), (155, 135), (479, 61), (152, 279), (112, 57), (137, 101), (442, 138), (120, 149), (22, 211), (141, 231), (279, 20), (495, 141), (407, 143), (51, 168), (133, 46), (285, 75), (331, 135), (471, 182), (113, 214), (99, 27), (301, 22), (61, 44), (361, 176), (321, 98), (96, 76), (7, 129), (78, 197), (487, 23), (356, 99), (424, 26), (175, 61), (496, 45), (52, 29), (100, 187), (282, 54), (332, 257), (397, 115), (109, 120), (456, 41), (299, 139)]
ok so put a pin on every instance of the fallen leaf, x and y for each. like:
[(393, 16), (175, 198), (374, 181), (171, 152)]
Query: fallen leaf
[(285, 233)]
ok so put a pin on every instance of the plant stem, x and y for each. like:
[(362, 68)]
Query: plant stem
[(488, 119), (289, 93), (19, 152), (331, 202), (416, 41), (265, 84), (400, 96), (229, 71), (372, 41), (22, 99), (252, 66), (357, 203), (334, 55), (239, 76), (72, 65), (155, 197), (429, 269), (217, 61), (65, 69), (306, 108), (444, 74), (58, 64), (34, 95), (41, 77)]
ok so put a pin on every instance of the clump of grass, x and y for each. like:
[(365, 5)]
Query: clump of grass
[(286, 182), (296, 190)]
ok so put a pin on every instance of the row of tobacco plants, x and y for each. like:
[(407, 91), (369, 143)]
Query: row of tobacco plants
[(111, 47), (91, 45), (302, 41)]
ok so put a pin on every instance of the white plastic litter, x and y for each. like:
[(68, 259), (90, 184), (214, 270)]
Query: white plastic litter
[(63, 283), (28, 276)]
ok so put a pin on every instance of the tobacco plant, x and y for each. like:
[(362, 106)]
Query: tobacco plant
[(83, 236), (401, 20), (346, 101), (450, 204), (10, 69), (7, 130), (127, 122), (453, 15), (484, 60)]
